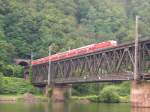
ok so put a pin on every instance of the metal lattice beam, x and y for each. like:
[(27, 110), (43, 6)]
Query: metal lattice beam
[(106, 65)]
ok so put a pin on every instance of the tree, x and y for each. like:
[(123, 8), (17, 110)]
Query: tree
[(27, 25), (6, 51), (1, 75)]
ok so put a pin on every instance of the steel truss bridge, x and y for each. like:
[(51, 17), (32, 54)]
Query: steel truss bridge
[(111, 64)]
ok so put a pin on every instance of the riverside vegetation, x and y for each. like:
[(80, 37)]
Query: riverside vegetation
[(106, 93), (11, 87), (32, 25)]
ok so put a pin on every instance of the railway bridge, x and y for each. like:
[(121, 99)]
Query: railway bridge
[(105, 65)]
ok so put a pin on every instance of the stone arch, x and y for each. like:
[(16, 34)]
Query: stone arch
[(25, 64)]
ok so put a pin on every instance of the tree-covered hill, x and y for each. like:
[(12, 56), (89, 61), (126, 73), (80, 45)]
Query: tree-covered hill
[(33, 25)]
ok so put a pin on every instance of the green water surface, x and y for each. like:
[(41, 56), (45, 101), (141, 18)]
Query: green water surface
[(67, 107)]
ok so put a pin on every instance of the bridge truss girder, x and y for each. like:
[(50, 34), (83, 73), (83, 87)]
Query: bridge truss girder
[(112, 64)]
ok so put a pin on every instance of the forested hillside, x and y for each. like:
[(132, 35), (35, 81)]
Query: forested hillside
[(33, 25)]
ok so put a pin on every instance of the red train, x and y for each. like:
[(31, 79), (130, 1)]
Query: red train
[(76, 52)]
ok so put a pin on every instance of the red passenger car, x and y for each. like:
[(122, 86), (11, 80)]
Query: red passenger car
[(76, 52)]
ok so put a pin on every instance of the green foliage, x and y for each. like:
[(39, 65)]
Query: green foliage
[(12, 70), (36, 24), (30, 74), (15, 86), (104, 92), (94, 98), (86, 89), (109, 95), (1, 76), (124, 89), (49, 92), (6, 51), (27, 25)]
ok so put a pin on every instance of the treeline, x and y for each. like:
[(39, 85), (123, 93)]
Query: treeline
[(32, 25)]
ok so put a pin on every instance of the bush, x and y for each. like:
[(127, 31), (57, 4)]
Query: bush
[(30, 74), (16, 86), (13, 70), (124, 89), (1, 75), (94, 98), (86, 89), (75, 92), (50, 92), (109, 95)]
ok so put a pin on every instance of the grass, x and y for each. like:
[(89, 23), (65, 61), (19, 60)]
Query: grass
[(94, 98), (125, 99), (39, 98), (9, 96), (83, 97)]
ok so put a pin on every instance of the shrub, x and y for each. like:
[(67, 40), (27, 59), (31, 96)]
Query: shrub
[(75, 92), (50, 92), (13, 70), (11, 85), (1, 75), (109, 95), (86, 89), (93, 98), (30, 74), (124, 89)]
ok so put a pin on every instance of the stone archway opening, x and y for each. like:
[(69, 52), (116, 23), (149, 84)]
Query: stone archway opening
[(25, 64)]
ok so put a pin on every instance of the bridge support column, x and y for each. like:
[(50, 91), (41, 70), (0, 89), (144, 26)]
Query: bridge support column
[(47, 91), (140, 94), (61, 93)]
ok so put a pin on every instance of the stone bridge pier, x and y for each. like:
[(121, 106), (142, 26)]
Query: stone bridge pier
[(61, 93), (140, 94)]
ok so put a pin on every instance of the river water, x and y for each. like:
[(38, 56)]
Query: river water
[(67, 107)]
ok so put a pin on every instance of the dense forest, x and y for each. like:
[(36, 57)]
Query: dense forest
[(32, 25)]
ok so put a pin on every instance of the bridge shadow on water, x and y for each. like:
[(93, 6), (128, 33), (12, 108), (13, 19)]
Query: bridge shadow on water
[(91, 107), (71, 106)]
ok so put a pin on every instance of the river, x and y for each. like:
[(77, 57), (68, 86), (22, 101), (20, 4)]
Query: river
[(67, 107)]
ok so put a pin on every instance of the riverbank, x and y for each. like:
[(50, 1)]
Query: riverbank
[(24, 98), (41, 98), (95, 98), (14, 89)]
